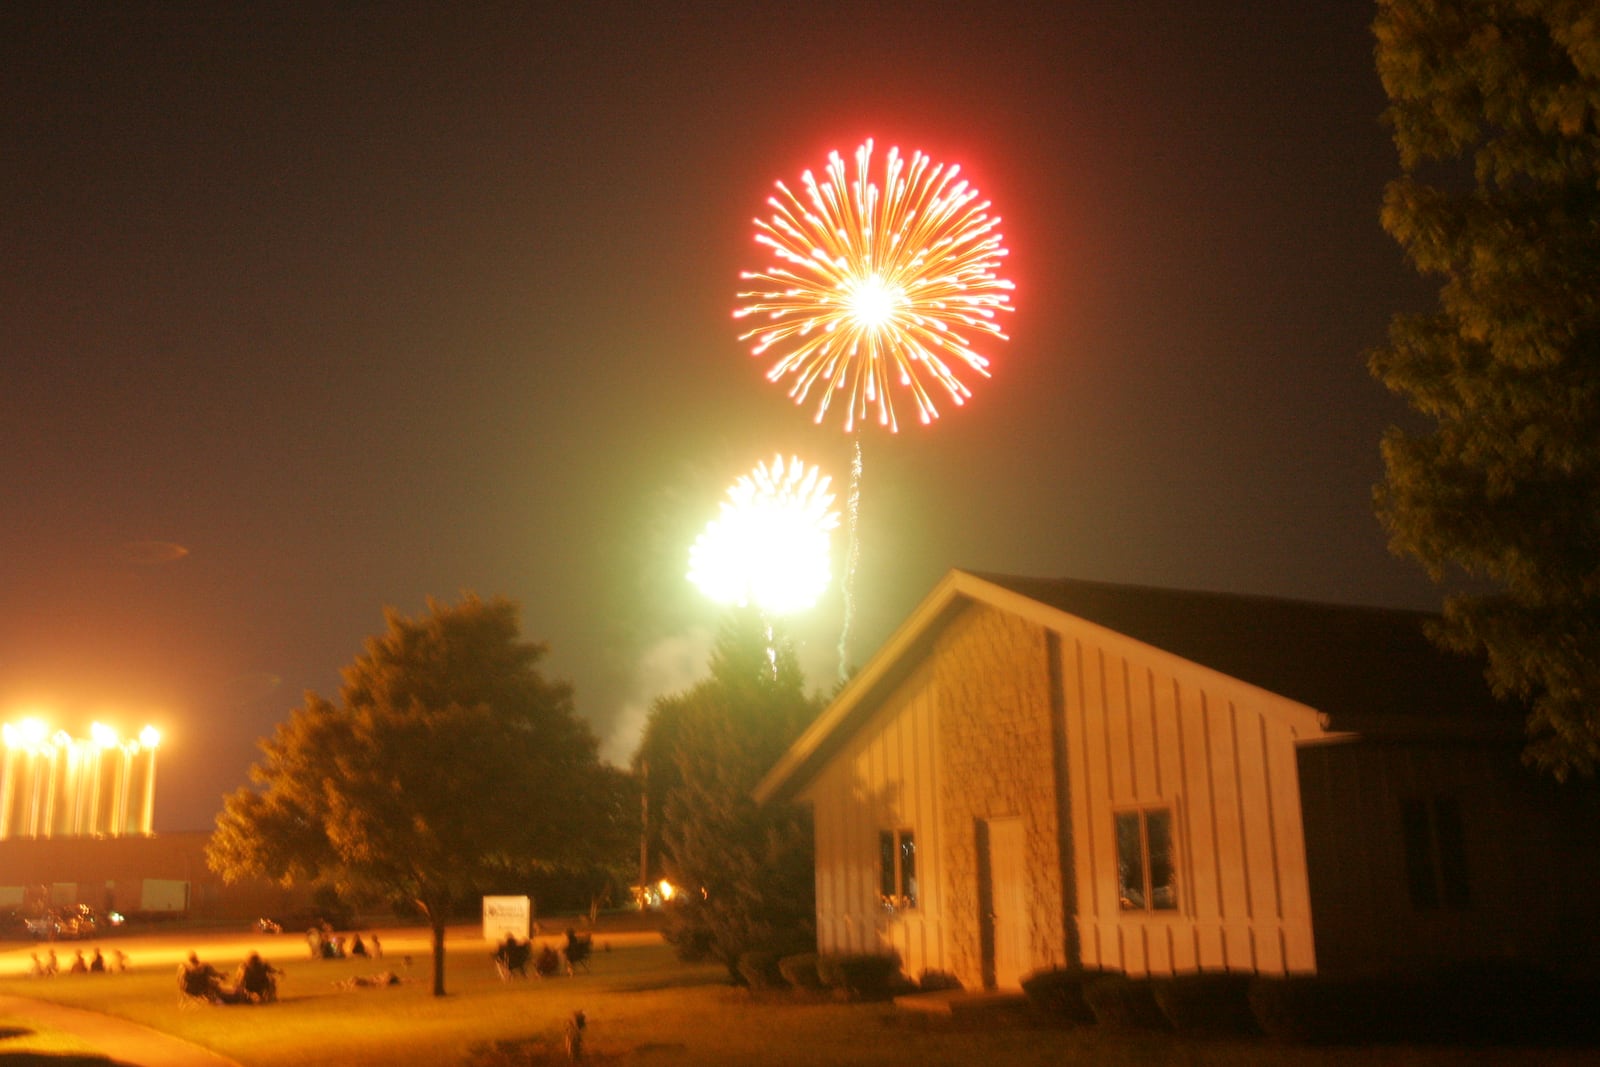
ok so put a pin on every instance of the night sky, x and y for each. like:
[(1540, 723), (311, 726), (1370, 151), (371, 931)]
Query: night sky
[(358, 309)]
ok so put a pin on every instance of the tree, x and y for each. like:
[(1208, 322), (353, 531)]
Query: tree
[(745, 870), (1495, 108), (449, 761)]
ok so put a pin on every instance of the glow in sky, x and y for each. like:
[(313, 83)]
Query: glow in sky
[(769, 546)]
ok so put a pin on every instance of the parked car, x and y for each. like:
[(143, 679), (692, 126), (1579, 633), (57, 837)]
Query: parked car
[(73, 922), (13, 924), (46, 927)]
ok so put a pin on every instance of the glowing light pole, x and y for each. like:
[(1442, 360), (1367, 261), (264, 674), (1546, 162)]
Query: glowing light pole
[(149, 738), (27, 737), (59, 786), (102, 738)]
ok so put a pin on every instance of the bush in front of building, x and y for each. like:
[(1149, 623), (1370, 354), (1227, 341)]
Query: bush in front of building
[(1210, 1002), (930, 981), (800, 971), (1123, 1003), (1505, 1002), (1481, 1002), (759, 969), (864, 976), (1305, 1009), (1058, 993)]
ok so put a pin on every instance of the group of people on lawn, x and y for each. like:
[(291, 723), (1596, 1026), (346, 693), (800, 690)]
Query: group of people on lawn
[(326, 945), (50, 966), (255, 982), (513, 957)]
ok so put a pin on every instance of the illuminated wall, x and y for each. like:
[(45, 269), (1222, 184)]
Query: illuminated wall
[(56, 785)]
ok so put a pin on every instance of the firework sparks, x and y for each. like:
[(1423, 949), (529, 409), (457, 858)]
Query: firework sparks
[(877, 286), (770, 544)]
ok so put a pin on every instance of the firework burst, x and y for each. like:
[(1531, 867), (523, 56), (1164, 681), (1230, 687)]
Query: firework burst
[(877, 285), (770, 544)]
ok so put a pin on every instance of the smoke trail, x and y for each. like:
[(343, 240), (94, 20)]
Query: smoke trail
[(851, 561)]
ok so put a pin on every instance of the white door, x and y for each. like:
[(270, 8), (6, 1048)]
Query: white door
[(1008, 917)]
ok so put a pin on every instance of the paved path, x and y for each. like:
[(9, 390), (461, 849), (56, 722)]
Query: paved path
[(125, 1042)]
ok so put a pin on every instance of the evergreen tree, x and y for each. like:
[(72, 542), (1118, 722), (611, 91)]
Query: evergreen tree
[(744, 871), (1495, 108)]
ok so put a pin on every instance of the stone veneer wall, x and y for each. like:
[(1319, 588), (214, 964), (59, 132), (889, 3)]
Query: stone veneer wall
[(991, 676)]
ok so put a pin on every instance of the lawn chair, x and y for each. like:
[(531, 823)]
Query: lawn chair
[(578, 950), (512, 958), (196, 988), (257, 981)]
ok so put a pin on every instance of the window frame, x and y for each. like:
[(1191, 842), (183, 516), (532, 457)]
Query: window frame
[(1148, 888), (1437, 868), (896, 874)]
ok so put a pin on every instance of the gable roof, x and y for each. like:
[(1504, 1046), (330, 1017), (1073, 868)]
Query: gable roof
[(1367, 671)]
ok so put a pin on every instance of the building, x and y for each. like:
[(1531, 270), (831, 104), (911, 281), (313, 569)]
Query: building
[(152, 876), (1031, 774)]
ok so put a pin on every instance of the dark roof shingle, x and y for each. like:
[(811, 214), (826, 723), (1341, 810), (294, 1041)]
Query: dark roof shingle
[(1368, 669)]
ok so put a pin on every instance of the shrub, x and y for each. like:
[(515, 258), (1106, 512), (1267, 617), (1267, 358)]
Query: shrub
[(693, 944), (1058, 993), (800, 971), (933, 981), (1124, 1003), (860, 977), (1498, 1001), (1317, 1010), (1212, 1002), (759, 969)]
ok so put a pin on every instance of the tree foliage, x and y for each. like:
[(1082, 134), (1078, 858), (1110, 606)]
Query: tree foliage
[(745, 871), (449, 761), (1495, 109)]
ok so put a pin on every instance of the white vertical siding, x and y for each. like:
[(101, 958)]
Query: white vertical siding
[(1147, 730), (884, 779)]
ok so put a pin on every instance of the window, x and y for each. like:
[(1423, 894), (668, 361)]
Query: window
[(1436, 853), (1147, 871), (897, 870)]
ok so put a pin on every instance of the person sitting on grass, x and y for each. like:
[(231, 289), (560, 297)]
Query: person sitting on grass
[(200, 980), (577, 950), (511, 957), (257, 981)]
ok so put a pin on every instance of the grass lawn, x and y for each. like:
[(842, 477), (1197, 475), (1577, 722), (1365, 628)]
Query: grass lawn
[(24, 1043), (643, 1008)]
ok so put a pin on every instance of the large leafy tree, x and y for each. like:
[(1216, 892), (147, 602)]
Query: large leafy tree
[(449, 762), (745, 870), (1495, 108)]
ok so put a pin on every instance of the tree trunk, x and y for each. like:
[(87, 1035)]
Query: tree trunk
[(438, 954), (437, 909)]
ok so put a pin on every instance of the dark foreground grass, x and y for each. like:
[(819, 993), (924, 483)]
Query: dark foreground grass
[(646, 1008)]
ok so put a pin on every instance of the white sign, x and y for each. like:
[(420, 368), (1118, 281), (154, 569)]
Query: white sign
[(507, 915)]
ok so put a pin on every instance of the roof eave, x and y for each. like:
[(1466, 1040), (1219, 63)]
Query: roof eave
[(790, 774)]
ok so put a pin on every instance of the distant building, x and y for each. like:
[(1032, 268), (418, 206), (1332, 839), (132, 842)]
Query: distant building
[(1033, 773), (164, 875)]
